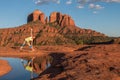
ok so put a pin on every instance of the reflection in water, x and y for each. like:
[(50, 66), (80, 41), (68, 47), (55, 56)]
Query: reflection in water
[(27, 68), (37, 64)]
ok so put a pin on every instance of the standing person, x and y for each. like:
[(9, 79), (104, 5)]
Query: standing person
[(29, 41)]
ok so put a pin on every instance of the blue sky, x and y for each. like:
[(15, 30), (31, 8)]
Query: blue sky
[(100, 15)]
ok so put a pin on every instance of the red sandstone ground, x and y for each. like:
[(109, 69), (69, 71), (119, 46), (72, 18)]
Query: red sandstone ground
[(86, 62), (4, 67)]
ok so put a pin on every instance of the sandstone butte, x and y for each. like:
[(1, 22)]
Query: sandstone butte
[(59, 18), (14, 36), (85, 62)]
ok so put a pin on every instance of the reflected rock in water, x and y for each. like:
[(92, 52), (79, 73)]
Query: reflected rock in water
[(37, 64)]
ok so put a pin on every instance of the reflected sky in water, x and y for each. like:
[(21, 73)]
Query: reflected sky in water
[(20, 73)]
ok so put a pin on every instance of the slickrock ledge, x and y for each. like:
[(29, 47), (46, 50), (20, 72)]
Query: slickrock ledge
[(4, 67)]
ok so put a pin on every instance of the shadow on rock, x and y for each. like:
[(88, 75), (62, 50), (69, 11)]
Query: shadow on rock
[(55, 68), (84, 48)]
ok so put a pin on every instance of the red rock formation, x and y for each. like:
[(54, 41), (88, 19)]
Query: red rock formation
[(56, 17), (36, 15), (46, 20), (53, 17), (67, 21), (45, 33), (62, 20)]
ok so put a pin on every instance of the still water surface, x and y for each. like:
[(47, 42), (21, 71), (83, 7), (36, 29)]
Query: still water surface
[(19, 72)]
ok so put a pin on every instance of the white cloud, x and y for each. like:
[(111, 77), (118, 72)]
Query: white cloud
[(56, 1), (69, 2), (98, 7), (93, 6), (117, 1), (80, 6), (95, 12), (93, 1), (82, 2), (40, 2)]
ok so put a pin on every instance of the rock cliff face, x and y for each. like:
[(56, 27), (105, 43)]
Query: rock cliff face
[(55, 17), (62, 20), (58, 29), (36, 15)]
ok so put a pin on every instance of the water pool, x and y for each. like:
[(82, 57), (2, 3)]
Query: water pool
[(19, 72)]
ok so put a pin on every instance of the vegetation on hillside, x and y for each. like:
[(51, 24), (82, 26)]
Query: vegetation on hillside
[(51, 34)]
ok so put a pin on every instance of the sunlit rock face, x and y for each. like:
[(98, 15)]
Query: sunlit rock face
[(36, 15), (61, 19)]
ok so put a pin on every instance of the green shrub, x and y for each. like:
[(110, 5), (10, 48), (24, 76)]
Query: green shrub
[(17, 44)]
